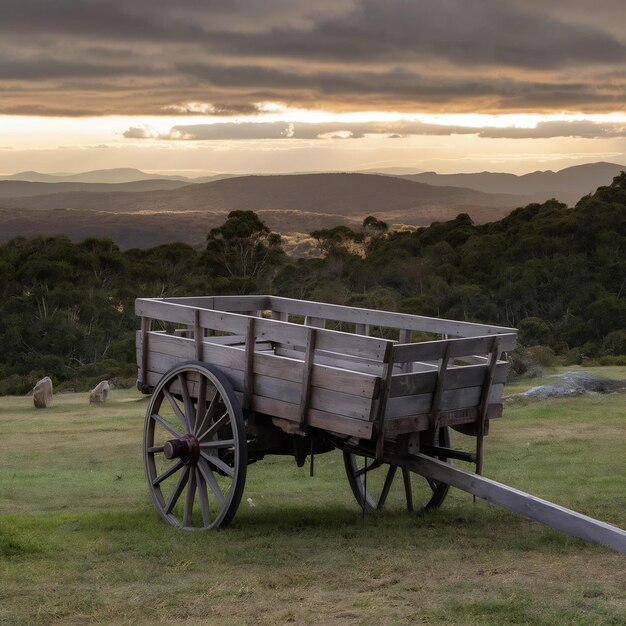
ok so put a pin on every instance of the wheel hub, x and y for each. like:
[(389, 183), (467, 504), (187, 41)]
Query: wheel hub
[(187, 449)]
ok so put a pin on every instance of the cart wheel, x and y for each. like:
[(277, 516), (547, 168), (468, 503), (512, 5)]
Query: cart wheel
[(416, 493), (194, 448)]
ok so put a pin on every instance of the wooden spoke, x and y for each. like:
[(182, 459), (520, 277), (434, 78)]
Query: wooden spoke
[(222, 421), (391, 472), (211, 467), (208, 415), (207, 474), (167, 473), (170, 429), (223, 443), (182, 481), (187, 403), (408, 489), (200, 403), (215, 460), (189, 498), (414, 492), (368, 468), (202, 495), (179, 414)]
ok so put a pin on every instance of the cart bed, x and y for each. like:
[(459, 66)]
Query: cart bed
[(284, 359)]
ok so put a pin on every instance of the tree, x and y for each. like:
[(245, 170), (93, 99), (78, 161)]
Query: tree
[(243, 248)]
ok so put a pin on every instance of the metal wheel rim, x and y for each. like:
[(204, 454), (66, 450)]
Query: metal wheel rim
[(436, 491), (207, 482)]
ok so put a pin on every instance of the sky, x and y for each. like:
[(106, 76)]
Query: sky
[(264, 86)]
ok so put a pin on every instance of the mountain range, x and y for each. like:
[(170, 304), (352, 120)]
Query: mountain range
[(140, 209), (567, 185)]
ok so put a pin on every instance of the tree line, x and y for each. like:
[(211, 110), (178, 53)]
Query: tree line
[(556, 273)]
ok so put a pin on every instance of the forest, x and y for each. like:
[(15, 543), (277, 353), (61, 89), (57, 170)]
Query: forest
[(556, 273)]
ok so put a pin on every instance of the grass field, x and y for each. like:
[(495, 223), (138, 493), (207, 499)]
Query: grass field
[(80, 542)]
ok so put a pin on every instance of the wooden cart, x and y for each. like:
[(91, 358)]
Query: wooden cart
[(234, 378)]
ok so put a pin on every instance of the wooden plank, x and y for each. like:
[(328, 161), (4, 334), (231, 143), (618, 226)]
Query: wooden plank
[(317, 322), (466, 376), (451, 399), (387, 319), (336, 360), (517, 501), (417, 423), (337, 402), (181, 314), (433, 350), (240, 303), (340, 424), (322, 399), (350, 382), (295, 335), (319, 419), (181, 349)]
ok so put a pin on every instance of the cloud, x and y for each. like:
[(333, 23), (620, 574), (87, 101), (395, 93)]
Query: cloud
[(220, 58), (249, 131), (140, 132)]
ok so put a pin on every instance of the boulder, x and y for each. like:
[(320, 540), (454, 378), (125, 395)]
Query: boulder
[(42, 393), (573, 384), (99, 393)]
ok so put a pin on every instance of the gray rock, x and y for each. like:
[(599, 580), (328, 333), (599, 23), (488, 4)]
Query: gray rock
[(42, 393), (99, 393), (574, 384)]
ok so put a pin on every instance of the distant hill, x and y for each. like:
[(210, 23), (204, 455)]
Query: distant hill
[(341, 194), (567, 185), (23, 189), (109, 176), (288, 203), (146, 230)]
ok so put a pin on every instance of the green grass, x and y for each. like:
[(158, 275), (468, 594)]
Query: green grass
[(80, 542)]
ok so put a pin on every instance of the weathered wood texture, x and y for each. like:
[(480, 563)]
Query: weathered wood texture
[(307, 373), (517, 501)]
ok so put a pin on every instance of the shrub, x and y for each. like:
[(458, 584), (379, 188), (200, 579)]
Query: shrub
[(542, 355), (615, 343)]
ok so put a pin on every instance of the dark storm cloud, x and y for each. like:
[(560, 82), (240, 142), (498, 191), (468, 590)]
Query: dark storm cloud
[(480, 32), (393, 130), (400, 54)]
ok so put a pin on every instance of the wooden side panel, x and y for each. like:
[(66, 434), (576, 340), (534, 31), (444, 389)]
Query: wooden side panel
[(451, 400), (336, 360), (387, 319), (416, 383), (433, 350), (166, 351), (318, 418)]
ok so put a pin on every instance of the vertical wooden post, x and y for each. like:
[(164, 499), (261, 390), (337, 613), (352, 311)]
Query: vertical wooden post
[(435, 410), (309, 359), (146, 325), (405, 337), (198, 335), (248, 376), (484, 402), (361, 329), (382, 404)]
